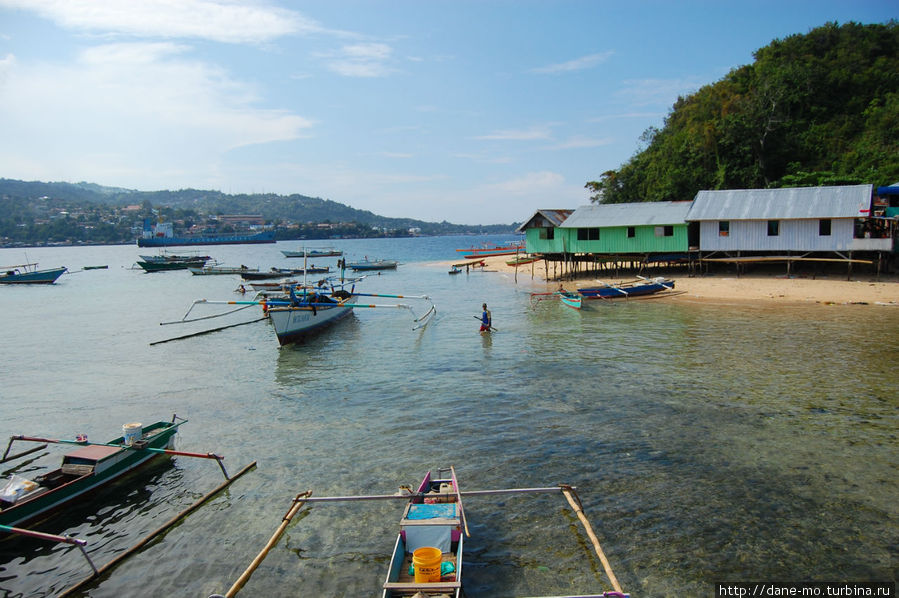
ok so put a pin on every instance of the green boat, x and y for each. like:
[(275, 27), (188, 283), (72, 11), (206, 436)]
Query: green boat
[(84, 469)]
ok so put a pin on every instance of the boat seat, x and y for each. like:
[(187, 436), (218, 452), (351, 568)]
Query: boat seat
[(77, 469)]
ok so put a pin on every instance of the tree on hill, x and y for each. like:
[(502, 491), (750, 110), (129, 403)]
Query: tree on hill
[(814, 109)]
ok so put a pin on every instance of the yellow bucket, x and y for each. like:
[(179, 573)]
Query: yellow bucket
[(426, 561)]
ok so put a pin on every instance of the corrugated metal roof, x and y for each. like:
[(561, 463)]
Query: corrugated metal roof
[(554, 217), (781, 204), (643, 213)]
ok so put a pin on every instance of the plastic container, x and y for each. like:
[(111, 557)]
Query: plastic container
[(132, 432), (426, 562)]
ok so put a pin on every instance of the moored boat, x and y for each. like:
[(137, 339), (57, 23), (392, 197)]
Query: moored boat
[(326, 252), (29, 274), (213, 270), (368, 264), (306, 316), (427, 554), (570, 299), (83, 470), (638, 288), (163, 266)]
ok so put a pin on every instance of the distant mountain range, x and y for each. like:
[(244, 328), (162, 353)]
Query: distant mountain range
[(293, 208)]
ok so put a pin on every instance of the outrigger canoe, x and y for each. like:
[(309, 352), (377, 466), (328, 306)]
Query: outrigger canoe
[(84, 469), (644, 286), (427, 555), (572, 300)]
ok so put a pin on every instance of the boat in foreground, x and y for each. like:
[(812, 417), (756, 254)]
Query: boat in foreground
[(638, 288), (29, 274), (83, 470), (427, 555)]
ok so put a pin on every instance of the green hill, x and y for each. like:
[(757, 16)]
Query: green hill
[(814, 109)]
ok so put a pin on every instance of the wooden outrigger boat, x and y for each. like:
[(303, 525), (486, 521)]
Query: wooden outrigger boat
[(368, 264), (29, 274), (638, 288), (83, 470), (307, 310), (427, 554), (570, 299), (521, 260)]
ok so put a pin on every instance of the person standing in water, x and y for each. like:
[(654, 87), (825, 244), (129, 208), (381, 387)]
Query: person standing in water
[(486, 319)]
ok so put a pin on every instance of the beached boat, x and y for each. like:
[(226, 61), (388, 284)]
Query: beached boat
[(327, 252), (368, 264), (427, 555), (213, 270), (471, 253), (523, 259), (84, 469), (570, 299), (29, 274), (638, 288)]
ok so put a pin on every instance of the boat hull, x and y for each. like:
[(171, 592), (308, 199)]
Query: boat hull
[(263, 237), (572, 300), (48, 276), (384, 265), (159, 435), (625, 291), (293, 324), (434, 524)]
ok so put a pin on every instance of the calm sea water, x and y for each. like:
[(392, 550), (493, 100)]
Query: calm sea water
[(708, 442)]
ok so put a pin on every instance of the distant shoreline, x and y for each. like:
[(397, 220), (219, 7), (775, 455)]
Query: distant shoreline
[(862, 289)]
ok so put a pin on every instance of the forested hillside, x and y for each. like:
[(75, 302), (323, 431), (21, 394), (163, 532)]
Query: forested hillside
[(814, 109)]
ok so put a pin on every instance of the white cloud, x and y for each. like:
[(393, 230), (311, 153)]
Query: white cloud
[(531, 134), (578, 64), (360, 60), (138, 110), (220, 20)]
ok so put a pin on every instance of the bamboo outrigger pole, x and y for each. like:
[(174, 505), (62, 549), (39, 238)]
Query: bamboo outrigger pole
[(298, 503), (52, 538), (164, 528), (568, 491)]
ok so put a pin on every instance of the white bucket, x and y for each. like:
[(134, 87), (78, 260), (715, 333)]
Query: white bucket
[(132, 432)]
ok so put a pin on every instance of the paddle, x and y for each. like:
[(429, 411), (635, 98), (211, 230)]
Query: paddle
[(491, 328)]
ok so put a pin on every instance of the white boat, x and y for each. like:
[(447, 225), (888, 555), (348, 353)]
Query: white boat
[(323, 252), (210, 270), (307, 316)]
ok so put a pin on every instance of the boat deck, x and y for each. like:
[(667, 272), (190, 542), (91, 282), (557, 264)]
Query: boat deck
[(405, 584)]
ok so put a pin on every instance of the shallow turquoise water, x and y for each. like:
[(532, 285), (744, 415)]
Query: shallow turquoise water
[(707, 442)]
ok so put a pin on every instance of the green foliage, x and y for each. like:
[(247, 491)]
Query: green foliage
[(814, 109)]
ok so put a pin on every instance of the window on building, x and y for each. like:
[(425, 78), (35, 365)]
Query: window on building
[(547, 233), (723, 228), (665, 231), (631, 232), (824, 227), (588, 234), (773, 228)]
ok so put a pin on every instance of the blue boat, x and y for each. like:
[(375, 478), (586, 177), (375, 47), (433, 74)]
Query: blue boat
[(642, 287), (162, 235), (29, 274)]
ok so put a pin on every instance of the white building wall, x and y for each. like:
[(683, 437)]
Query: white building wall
[(794, 235)]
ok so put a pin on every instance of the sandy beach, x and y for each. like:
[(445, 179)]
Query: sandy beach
[(833, 289)]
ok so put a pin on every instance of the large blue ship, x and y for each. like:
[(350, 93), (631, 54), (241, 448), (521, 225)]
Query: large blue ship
[(161, 234)]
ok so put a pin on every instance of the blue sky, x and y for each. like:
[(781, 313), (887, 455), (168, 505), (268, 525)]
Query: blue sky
[(474, 112)]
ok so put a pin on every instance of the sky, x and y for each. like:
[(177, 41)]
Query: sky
[(466, 111)]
